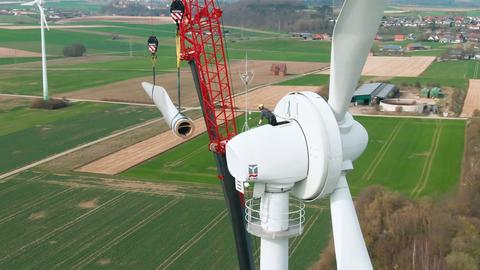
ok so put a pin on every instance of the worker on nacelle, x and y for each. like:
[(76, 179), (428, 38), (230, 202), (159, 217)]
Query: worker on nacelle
[(267, 114)]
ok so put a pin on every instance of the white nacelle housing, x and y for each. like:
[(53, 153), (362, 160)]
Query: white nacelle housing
[(179, 123), (269, 154), (306, 152)]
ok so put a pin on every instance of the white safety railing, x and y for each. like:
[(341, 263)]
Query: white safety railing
[(294, 219)]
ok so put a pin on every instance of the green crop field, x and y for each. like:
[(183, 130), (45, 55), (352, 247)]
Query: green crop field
[(454, 74), (308, 80), (66, 77), (28, 135), (52, 221), (412, 156)]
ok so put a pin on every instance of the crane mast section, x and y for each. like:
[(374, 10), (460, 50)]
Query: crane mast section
[(202, 43)]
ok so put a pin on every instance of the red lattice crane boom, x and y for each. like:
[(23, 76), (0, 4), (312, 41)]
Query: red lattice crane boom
[(202, 42), (200, 38)]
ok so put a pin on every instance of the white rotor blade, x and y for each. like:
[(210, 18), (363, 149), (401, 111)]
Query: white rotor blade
[(353, 37), (29, 3), (42, 16), (350, 249)]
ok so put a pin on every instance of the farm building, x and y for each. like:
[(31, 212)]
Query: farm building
[(392, 50), (399, 37), (366, 93), (416, 47), (435, 92)]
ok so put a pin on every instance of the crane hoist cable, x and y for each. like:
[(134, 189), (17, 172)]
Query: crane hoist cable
[(177, 10), (152, 45)]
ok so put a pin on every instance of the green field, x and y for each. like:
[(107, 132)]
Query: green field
[(28, 135), (67, 77), (308, 80), (454, 74), (71, 222), (411, 156)]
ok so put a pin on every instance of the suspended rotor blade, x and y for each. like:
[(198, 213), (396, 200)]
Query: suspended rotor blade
[(42, 16), (350, 249), (29, 3), (353, 37)]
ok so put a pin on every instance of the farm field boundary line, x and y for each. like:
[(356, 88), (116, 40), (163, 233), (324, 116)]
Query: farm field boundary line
[(135, 154), (185, 109), (171, 188), (124, 235), (82, 69), (167, 188), (427, 166), (67, 225), (189, 244), (8, 174)]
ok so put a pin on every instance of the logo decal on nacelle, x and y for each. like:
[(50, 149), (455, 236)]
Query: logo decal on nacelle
[(252, 172)]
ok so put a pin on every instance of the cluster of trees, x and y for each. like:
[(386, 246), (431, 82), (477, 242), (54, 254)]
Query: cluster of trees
[(423, 234), (279, 15), (51, 104), (74, 50)]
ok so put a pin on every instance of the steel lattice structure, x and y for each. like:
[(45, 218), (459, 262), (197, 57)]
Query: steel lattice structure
[(202, 42)]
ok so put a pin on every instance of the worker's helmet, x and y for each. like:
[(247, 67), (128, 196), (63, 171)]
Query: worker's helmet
[(260, 106)]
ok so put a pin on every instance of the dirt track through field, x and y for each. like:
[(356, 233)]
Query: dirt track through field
[(472, 101), (393, 66), (131, 90), (297, 243), (84, 262), (125, 19), (34, 203), (427, 166), (29, 27), (63, 227), (383, 150), (197, 237)]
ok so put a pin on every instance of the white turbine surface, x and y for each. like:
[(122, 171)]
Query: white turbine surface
[(43, 24), (352, 39), (353, 36), (271, 156), (179, 123)]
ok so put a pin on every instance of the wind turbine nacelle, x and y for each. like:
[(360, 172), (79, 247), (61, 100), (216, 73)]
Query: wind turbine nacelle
[(307, 151), (181, 125), (269, 154)]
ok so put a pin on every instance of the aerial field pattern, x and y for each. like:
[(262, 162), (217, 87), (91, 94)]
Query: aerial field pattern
[(413, 156)]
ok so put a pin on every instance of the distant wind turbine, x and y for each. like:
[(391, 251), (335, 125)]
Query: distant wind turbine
[(43, 23)]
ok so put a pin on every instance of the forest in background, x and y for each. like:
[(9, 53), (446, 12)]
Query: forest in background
[(442, 234), (279, 15)]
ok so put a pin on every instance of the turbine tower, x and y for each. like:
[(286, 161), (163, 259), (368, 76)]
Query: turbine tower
[(308, 154), (43, 24)]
